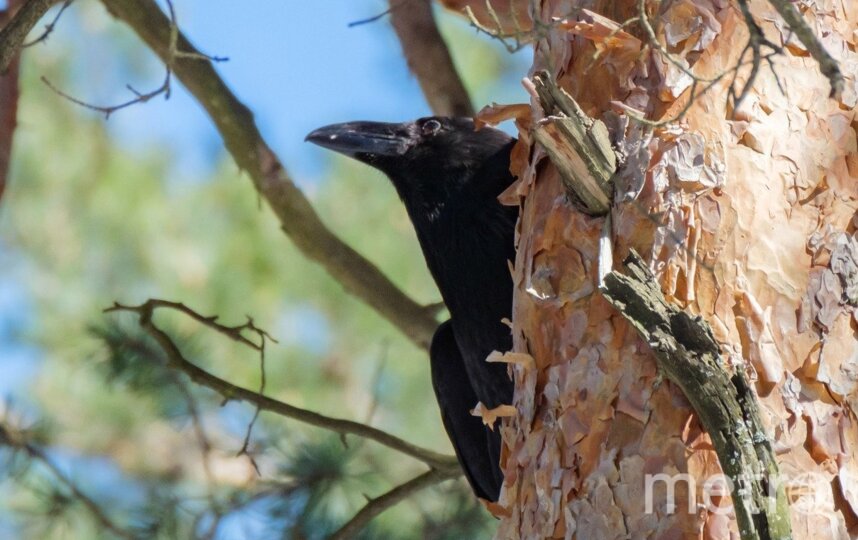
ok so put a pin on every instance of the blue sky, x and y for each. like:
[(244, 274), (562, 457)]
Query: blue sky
[(298, 65)]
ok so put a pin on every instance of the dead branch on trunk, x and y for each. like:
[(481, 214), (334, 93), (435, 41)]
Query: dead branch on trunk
[(688, 355), (578, 145)]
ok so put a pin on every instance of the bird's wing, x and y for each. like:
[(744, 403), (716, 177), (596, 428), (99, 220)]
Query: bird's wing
[(456, 398)]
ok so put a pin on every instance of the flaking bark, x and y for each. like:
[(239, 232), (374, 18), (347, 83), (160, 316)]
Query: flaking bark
[(688, 355)]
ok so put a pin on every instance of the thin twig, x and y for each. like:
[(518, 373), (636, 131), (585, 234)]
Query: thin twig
[(107, 110), (143, 97), (381, 503), (827, 64), (697, 81), (49, 28), (245, 447), (374, 18), (252, 154), (756, 41), (235, 333), (9, 437), (230, 391), (519, 36)]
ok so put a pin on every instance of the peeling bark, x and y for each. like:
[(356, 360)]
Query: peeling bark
[(746, 217)]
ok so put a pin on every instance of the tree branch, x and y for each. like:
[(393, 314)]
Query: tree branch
[(827, 64), (49, 28), (176, 360), (687, 353), (8, 98), (15, 440), (12, 35), (381, 503), (241, 136), (428, 58)]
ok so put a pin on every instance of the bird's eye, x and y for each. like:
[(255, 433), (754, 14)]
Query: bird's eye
[(431, 127)]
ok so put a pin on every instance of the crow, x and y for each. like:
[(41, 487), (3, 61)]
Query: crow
[(449, 176)]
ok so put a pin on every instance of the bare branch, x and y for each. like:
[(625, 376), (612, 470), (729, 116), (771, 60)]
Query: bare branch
[(701, 85), (381, 503), (139, 97), (686, 352), (107, 110), (14, 439), (756, 41), (245, 446), (235, 333), (827, 64), (429, 59), (229, 391), (13, 34), (513, 40), (241, 136), (378, 17), (49, 28)]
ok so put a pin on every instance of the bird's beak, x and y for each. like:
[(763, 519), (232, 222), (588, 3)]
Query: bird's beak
[(356, 139)]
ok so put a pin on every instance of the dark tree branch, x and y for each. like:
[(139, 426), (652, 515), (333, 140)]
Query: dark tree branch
[(175, 360), (8, 100), (429, 59), (381, 503), (13, 439), (688, 355), (13, 34), (241, 136)]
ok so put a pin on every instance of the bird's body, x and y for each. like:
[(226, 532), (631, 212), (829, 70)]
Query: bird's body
[(449, 177)]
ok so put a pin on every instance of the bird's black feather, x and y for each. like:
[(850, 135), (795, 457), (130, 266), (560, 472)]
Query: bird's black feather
[(456, 397), (449, 176)]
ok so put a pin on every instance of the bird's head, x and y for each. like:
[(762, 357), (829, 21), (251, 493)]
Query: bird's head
[(428, 160)]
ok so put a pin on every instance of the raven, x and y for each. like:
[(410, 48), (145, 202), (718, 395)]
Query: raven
[(449, 176)]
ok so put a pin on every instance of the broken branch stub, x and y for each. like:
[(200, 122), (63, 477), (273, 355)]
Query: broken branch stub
[(579, 146)]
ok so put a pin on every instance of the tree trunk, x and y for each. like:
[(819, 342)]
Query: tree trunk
[(747, 217)]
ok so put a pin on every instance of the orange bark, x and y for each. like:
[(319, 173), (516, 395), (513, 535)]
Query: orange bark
[(748, 218)]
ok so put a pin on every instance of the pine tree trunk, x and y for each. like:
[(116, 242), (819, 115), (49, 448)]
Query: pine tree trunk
[(747, 218)]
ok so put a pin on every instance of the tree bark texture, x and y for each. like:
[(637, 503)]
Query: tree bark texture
[(745, 215)]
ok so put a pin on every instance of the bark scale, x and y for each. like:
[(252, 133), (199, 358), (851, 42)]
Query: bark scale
[(746, 217)]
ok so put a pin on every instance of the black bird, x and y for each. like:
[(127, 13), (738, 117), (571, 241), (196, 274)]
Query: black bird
[(449, 176)]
